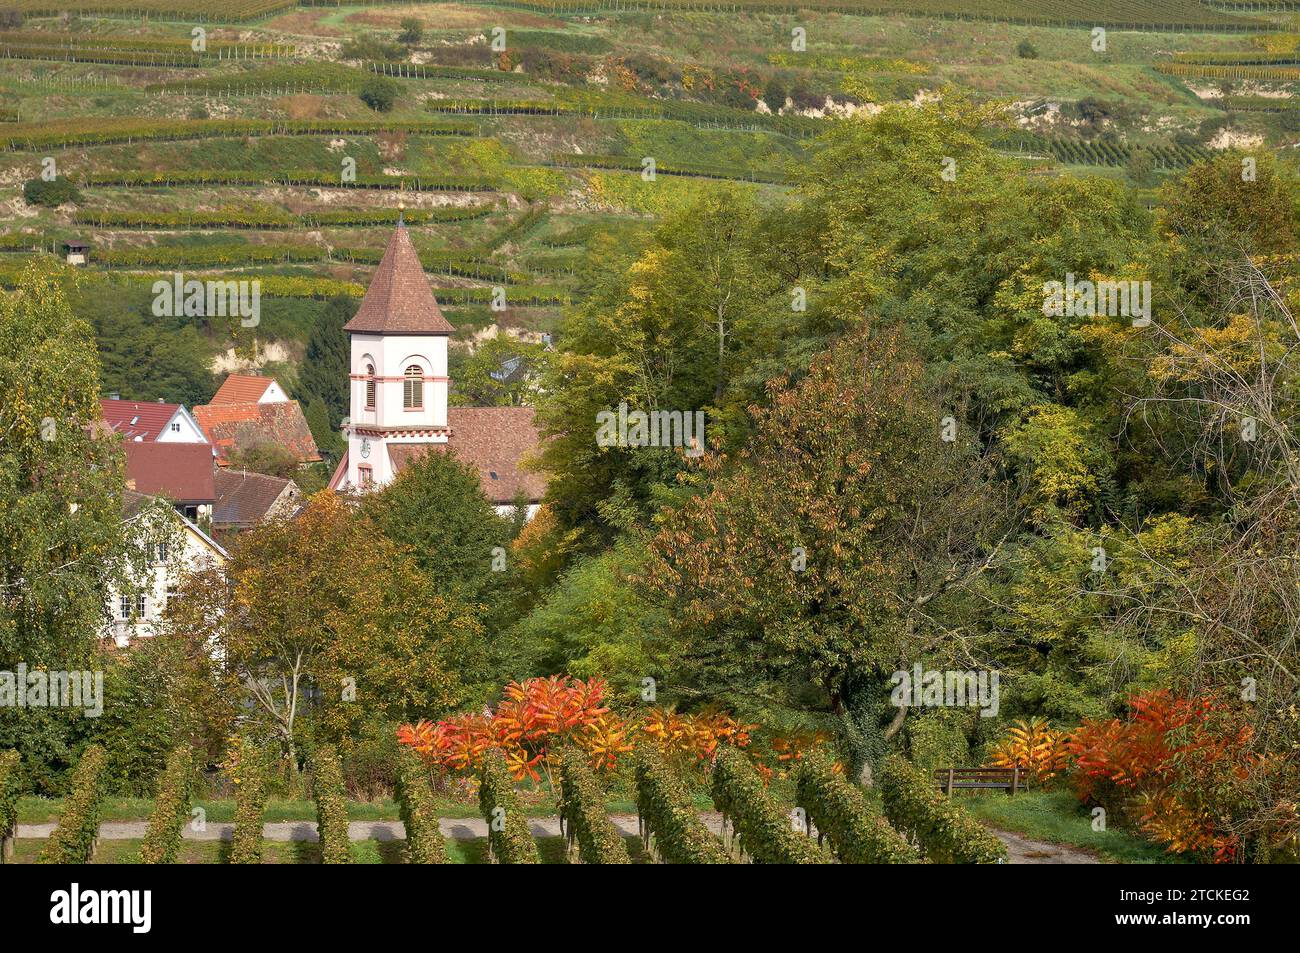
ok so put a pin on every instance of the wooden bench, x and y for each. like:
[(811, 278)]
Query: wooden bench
[(1010, 780)]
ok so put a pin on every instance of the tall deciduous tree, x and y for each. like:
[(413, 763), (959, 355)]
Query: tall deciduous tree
[(837, 551), (667, 327), (436, 512), (61, 537), (322, 615)]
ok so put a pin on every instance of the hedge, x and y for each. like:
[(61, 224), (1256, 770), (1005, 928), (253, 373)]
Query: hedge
[(10, 761), (250, 803), (582, 813), (74, 840), (424, 843), (671, 829), (509, 840), (331, 806), (844, 817), (764, 831), (65, 133), (303, 177), (944, 832), (171, 808), (273, 217)]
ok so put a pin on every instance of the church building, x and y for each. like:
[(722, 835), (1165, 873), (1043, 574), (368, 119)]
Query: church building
[(399, 388)]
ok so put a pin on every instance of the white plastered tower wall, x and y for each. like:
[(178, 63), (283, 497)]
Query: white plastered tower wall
[(371, 430), (398, 326)]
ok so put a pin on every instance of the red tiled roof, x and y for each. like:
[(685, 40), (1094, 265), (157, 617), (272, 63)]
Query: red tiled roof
[(493, 440), (242, 389), (399, 299), (180, 471), (244, 499), (134, 418), (240, 426)]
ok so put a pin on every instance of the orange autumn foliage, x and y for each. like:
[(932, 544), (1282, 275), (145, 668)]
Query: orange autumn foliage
[(1033, 747), (539, 715), (1178, 763)]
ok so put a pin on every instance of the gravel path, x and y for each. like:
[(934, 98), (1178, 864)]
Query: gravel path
[(1020, 849), (468, 828)]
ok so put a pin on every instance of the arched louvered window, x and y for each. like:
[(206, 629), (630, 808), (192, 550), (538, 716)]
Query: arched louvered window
[(370, 387), (413, 388)]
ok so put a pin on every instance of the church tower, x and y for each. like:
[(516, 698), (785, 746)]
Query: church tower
[(399, 370)]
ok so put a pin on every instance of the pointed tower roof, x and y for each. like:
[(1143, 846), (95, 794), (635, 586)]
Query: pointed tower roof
[(399, 299)]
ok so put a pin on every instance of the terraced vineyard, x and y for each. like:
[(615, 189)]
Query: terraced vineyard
[(1121, 14), (256, 150)]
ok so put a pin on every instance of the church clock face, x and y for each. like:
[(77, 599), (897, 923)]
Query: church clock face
[(365, 447)]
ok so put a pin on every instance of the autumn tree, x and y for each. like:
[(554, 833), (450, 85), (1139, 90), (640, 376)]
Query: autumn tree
[(837, 551), (320, 616)]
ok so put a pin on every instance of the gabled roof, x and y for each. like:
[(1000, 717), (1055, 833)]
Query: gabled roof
[(493, 440), (399, 299), (133, 503), (182, 472), (244, 499), (239, 426), (135, 419), (241, 389)]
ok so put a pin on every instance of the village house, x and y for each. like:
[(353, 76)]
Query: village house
[(150, 422), (245, 499), (399, 387), (171, 546), (248, 411), (181, 472)]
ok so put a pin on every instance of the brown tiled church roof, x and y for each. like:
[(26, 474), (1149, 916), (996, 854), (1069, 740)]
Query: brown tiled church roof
[(493, 440), (399, 299)]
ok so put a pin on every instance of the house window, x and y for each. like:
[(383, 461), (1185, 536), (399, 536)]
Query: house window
[(413, 388), (160, 553), (370, 387), (124, 607), (141, 606), (365, 476), (176, 428)]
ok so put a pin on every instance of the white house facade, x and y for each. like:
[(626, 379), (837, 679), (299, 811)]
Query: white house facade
[(170, 551)]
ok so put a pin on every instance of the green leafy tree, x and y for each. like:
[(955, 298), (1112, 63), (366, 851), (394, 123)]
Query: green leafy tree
[(436, 512), (327, 361), (61, 479), (412, 31), (594, 623), (502, 371), (380, 94), (665, 326), (57, 191)]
